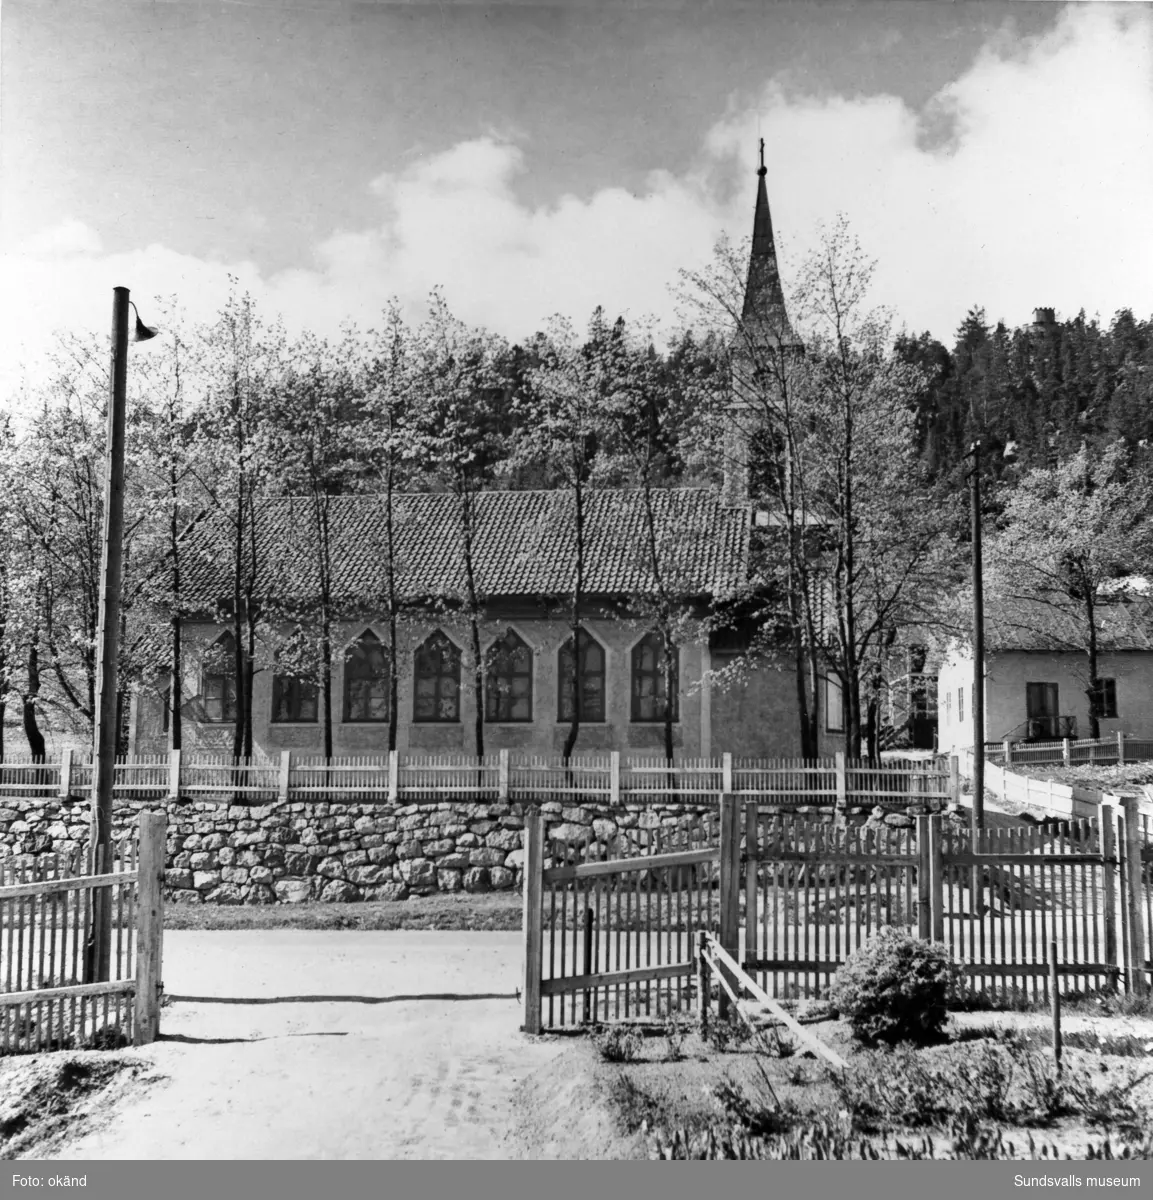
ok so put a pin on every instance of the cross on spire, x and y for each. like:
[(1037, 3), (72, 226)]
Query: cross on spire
[(762, 170)]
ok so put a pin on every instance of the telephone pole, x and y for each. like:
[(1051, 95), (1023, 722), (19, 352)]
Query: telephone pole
[(105, 718), (978, 704)]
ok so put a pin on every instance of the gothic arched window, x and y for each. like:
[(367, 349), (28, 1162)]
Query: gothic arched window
[(588, 666), (365, 680), (437, 681), (219, 680), (650, 693), (508, 680)]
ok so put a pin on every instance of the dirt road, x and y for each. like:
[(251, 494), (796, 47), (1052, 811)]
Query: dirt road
[(293, 1044)]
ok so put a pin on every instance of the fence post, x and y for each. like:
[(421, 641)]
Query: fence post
[(1066, 757), (614, 777), (173, 774), (752, 848), (66, 773), (1120, 749), (589, 963), (502, 776), (533, 930), (842, 782), (936, 878), (727, 773), (1007, 751), (285, 772), (149, 927), (924, 893), (730, 881), (1136, 923), (393, 776), (955, 781), (1106, 818), (704, 984)]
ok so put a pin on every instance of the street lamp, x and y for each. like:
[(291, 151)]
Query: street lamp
[(98, 953)]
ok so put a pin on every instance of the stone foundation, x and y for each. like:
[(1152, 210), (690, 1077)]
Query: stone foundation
[(220, 853)]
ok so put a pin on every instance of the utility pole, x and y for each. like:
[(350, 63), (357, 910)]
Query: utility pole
[(978, 704), (99, 950)]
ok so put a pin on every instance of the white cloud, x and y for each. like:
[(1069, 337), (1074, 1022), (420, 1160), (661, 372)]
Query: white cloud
[(1040, 195)]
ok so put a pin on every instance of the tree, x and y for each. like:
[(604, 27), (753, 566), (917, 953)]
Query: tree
[(314, 410), (165, 465), (241, 362), (855, 541), (646, 413), (388, 443), (1068, 534), (561, 431), (461, 446)]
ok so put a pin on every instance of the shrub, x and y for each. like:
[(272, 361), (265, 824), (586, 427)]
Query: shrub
[(619, 1044), (896, 988)]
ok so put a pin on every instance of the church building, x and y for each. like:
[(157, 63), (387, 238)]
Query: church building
[(523, 552)]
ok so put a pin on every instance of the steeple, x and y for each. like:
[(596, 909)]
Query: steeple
[(764, 316), (762, 345)]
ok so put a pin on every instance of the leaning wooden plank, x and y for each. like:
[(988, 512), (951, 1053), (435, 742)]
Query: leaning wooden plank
[(67, 885), (116, 986), (580, 983), (965, 858), (625, 866), (814, 1043)]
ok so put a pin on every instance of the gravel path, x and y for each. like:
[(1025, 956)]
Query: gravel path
[(301, 1044)]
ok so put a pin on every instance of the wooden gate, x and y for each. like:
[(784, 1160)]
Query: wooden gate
[(47, 1002), (610, 926), (1002, 900)]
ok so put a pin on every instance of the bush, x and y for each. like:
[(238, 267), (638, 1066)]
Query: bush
[(896, 988), (619, 1044)]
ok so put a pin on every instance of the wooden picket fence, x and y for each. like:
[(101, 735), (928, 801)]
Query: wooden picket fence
[(607, 778), (1070, 752), (610, 926), (48, 998)]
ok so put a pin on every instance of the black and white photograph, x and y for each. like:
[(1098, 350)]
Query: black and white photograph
[(576, 583)]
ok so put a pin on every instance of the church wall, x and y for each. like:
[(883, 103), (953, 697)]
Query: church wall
[(756, 719)]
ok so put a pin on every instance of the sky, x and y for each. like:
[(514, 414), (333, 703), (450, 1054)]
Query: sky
[(540, 159)]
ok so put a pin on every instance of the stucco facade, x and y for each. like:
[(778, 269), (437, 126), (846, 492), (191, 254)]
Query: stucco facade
[(757, 717), (1007, 676)]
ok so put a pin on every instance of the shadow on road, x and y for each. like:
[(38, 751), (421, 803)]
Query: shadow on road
[(224, 1041), (342, 999)]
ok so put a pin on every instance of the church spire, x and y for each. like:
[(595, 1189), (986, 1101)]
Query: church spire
[(764, 315)]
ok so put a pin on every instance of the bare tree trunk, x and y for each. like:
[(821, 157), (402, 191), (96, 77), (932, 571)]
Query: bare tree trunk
[(468, 514), (575, 614), (670, 692), (31, 726), (1094, 668)]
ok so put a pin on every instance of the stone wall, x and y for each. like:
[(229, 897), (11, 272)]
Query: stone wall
[(288, 853)]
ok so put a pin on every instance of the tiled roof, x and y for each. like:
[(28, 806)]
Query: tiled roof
[(524, 546)]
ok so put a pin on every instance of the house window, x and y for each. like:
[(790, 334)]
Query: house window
[(1042, 711), (365, 680), (219, 681), (590, 676), (293, 700), (834, 706), (437, 681), (1103, 698), (948, 708), (508, 680), (960, 704), (650, 699)]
